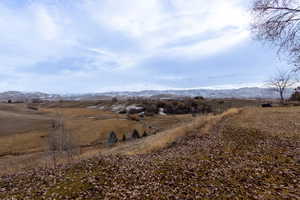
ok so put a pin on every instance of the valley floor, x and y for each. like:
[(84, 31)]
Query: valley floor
[(251, 153)]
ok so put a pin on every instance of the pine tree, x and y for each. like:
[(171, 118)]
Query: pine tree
[(135, 134), (112, 139)]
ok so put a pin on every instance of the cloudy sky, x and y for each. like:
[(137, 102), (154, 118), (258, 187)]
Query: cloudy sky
[(67, 46)]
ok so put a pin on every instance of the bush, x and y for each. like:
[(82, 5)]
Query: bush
[(150, 108), (124, 138), (135, 134), (199, 98), (145, 134), (114, 100), (295, 96), (179, 106), (112, 139)]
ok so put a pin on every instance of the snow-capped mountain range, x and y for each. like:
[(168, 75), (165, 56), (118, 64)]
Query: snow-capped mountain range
[(243, 93)]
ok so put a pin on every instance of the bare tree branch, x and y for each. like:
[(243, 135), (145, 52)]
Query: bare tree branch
[(278, 21), (280, 82), (61, 141)]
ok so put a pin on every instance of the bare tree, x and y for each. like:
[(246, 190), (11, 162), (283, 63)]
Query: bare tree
[(277, 21), (61, 141), (280, 82)]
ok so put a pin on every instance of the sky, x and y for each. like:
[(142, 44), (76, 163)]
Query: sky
[(82, 46)]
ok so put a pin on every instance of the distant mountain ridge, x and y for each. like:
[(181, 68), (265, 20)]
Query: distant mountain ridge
[(243, 93), (248, 92), (24, 96)]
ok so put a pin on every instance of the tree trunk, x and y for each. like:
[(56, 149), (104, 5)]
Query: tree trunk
[(281, 97)]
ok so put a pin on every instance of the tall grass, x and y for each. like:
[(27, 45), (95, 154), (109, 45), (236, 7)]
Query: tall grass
[(200, 125)]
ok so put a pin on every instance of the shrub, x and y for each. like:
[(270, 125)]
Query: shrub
[(114, 100), (124, 138), (199, 98), (145, 134), (135, 134), (112, 139), (150, 108), (295, 96)]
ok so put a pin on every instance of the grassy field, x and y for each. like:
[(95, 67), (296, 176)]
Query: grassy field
[(249, 153), (24, 132)]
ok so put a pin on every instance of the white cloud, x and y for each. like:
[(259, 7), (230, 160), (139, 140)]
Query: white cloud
[(233, 86), (155, 25), (113, 36), (134, 87), (110, 61), (171, 78), (30, 36), (44, 31), (46, 25), (209, 46)]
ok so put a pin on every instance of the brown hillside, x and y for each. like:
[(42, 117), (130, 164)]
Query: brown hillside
[(232, 156)]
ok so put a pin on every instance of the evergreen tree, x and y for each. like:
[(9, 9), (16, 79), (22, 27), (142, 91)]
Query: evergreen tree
[(135, 134), (112, 139)]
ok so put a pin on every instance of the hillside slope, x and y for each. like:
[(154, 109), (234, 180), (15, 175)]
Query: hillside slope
[(15, 119), (240, 155)]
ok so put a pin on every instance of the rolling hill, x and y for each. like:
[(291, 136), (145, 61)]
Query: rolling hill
[(240, 154)]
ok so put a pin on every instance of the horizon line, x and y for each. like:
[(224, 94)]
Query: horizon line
[(123, 91)]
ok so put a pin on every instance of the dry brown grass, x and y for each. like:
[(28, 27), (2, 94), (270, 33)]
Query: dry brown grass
[(25, 150), (92, 127), (22, 130), (202, 124), (23, 143), (280, 121), (20, 123), (278, 128), (229, 156)]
